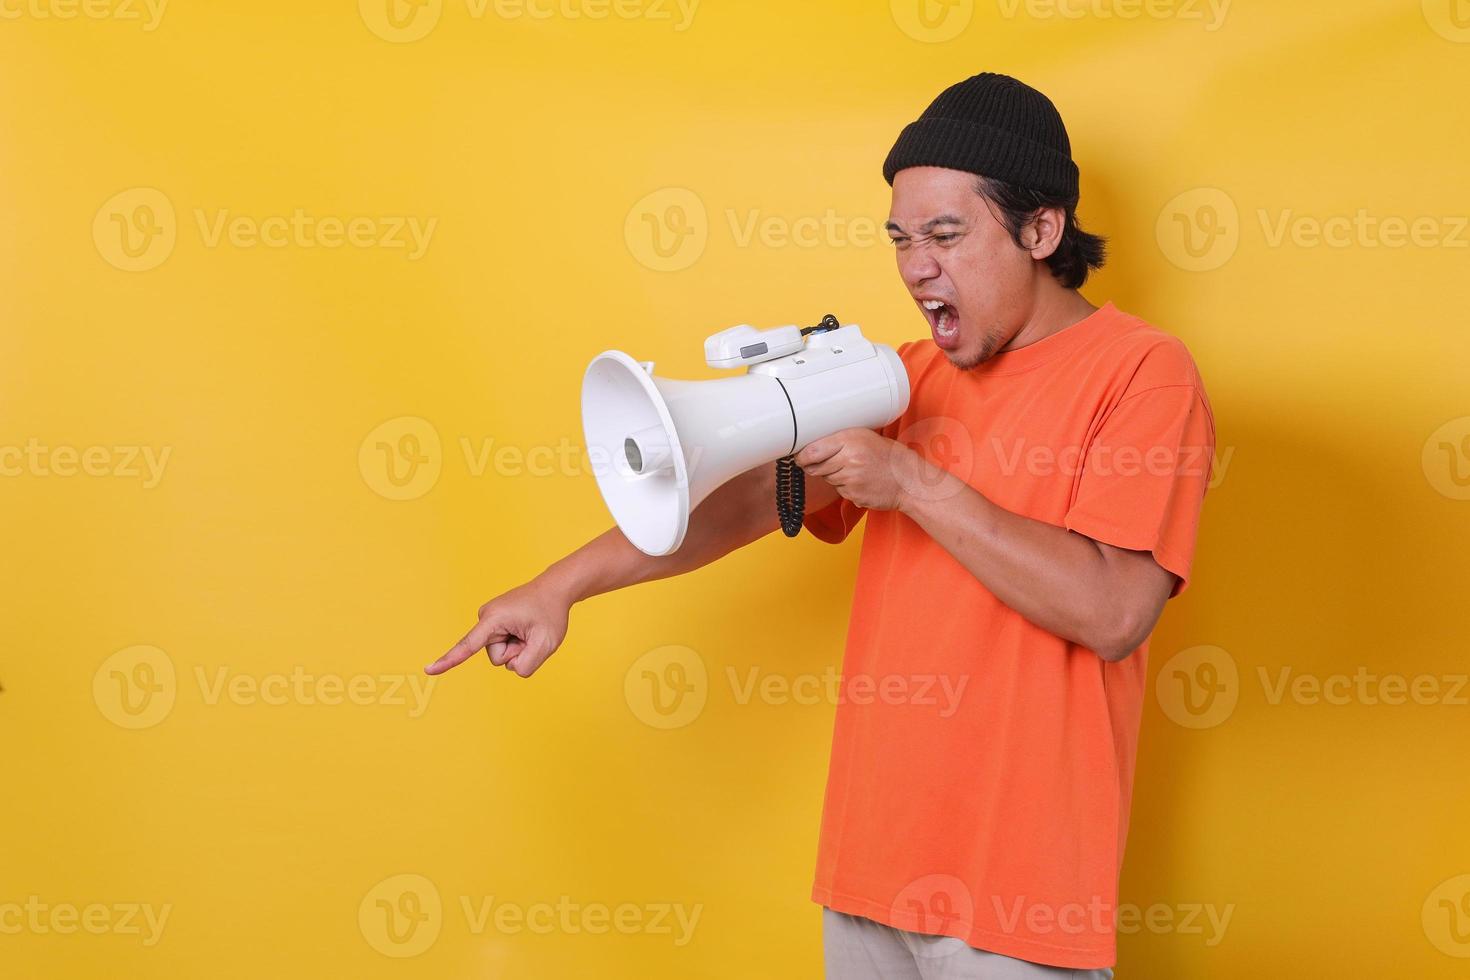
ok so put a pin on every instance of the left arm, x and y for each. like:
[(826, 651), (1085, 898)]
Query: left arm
[(1102, 597)]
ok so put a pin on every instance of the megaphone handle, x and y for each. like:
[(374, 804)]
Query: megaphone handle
[(790, 495)]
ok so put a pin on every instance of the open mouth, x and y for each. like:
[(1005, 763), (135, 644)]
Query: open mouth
[(944, 322)]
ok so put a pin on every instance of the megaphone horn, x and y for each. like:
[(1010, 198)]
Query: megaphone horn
[(667, 444)]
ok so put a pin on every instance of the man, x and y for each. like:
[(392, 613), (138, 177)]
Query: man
[(1028, 517)]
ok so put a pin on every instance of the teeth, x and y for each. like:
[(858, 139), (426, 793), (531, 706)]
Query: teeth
[(942, 327), (932, 304)]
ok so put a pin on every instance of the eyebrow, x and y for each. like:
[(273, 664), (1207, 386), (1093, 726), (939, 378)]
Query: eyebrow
[(930, 225)]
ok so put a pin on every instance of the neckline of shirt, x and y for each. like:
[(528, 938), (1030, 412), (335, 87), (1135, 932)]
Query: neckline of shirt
[(1036, 354)]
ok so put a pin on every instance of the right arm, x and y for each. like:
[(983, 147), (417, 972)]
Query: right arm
[(523, 627)]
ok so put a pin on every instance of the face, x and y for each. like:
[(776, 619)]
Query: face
[(967, 276)]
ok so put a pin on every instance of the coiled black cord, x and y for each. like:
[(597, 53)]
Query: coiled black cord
[(790, 495), (790, 480)]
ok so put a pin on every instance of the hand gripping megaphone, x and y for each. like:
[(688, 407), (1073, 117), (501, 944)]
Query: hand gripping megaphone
[(660, 446)]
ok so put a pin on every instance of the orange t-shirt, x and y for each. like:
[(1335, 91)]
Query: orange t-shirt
[(982, 767)]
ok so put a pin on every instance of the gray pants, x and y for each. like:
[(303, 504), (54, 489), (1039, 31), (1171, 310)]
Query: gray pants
[(861, 949)]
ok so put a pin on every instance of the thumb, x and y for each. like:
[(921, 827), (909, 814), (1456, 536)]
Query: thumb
[(817, 450)]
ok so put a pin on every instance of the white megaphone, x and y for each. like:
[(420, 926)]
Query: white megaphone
[(659, 446)]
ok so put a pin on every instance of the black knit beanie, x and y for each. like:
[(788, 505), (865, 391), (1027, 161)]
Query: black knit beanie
[(995, 126)]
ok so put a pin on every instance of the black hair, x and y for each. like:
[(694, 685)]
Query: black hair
[(1077, 253)]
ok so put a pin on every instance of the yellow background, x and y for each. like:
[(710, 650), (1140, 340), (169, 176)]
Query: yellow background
[(1335, 541)]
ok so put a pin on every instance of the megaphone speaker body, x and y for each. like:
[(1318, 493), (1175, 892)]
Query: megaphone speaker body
[(660, 446)]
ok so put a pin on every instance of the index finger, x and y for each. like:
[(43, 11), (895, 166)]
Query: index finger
[(484, 633)]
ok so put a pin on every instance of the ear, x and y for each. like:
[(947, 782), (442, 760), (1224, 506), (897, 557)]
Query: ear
[(1043, 232)]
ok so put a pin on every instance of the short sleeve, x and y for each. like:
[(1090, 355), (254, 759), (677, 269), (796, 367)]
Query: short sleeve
[(836, 521), (1144, 476)]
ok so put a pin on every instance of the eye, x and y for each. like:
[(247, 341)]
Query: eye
[(947, 238), (899, 243)]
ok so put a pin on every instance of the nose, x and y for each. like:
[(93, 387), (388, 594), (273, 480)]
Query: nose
[(917, 266)]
